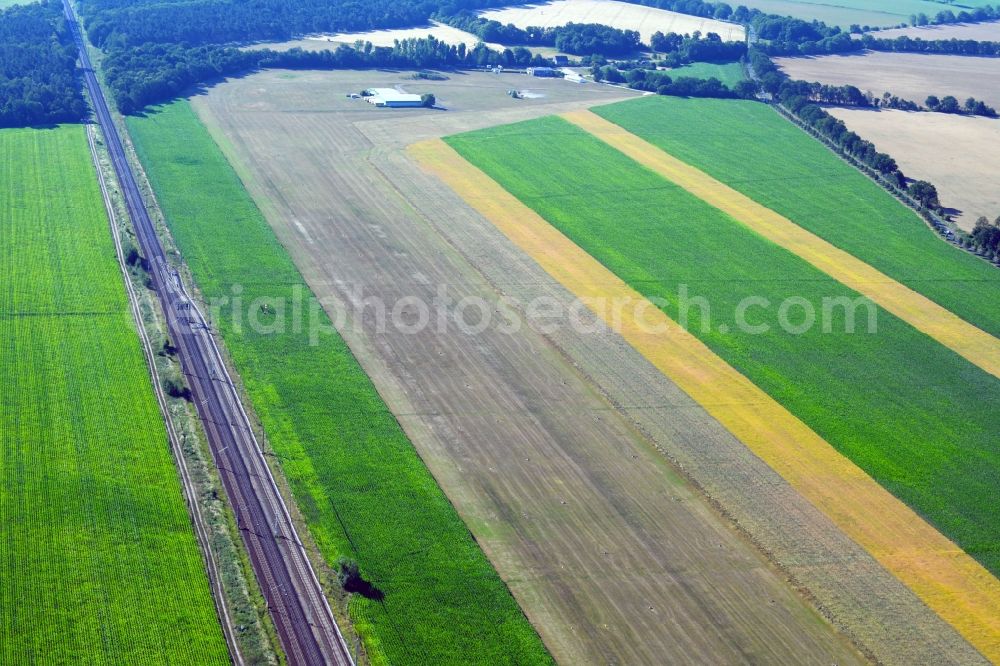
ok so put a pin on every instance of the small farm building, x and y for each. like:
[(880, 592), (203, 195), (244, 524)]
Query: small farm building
[(393, 98), (542, 71)]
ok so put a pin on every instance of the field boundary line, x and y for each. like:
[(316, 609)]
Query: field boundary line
[(190, 492), (959, 589), (968, 341)]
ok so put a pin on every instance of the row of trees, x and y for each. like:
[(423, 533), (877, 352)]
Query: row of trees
[(802, 100), (985, 237), (38, 83), (949, 104), (904, 44), (977, 15)]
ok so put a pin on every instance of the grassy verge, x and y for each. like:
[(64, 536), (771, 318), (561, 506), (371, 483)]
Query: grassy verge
[(357, 479), (914, 415), (752, 149), (100, 561)]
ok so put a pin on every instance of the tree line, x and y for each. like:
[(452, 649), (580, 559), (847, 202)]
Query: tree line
[(682, 49), (117, 23), (154, 73), (949, 104), (574, 38), (38, 82), (842, 42), (802, 99), (985, 238), (946, 16)]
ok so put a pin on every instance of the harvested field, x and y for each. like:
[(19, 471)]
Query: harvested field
[(988, 31), (552, 481), (960, 155), (439, 31), (545, 443), (912, 76), (621, 15)]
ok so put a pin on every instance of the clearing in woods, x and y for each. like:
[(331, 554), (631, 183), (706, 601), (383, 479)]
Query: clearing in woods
[(621, 15), (911, 76), (729, 73), (780, 166), (913, 429), (554, 482), (360, 485), (100, 562), (959, 154)]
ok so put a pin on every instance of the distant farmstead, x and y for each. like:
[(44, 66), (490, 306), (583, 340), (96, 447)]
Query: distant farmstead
[(392, 98), (542, 71)]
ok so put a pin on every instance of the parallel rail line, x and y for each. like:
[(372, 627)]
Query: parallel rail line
[(302, 616)]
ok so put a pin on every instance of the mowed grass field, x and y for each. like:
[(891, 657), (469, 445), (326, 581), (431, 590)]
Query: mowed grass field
[(729, 73), (914, 415), (755, 151), (358, 481), (98, 557)]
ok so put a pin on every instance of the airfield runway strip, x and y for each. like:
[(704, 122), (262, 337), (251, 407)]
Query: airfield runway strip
[(303, 618), (970, 342), (941, 574)]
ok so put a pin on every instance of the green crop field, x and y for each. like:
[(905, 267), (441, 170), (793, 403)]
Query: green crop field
[(917, 417), (99, 560), (847, 12), (754, 150), (358, 480), (729, 73)]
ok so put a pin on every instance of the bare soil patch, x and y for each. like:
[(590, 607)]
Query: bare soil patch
[(960, 155), (913, 76)]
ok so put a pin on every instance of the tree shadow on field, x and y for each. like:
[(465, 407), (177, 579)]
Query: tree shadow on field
[(365, 589)]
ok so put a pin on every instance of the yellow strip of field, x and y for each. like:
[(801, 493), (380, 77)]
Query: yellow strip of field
[(970, 342), (948, 580)]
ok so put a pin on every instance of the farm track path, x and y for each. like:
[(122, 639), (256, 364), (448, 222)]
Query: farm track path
[(943, 576), (302, 615), (966, 340)]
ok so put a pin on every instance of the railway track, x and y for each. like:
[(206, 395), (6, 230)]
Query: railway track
[(304, 621)]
